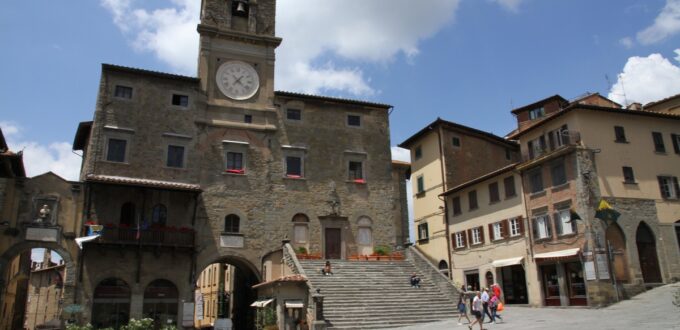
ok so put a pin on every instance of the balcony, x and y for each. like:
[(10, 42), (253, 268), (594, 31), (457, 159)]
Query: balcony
[(560, 141), (159, 237)]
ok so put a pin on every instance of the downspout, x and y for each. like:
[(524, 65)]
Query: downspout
[(446, 213)]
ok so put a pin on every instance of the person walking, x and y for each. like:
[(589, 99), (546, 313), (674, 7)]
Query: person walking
[(461, 305), (485, 305), (476, 311), (493, 304)]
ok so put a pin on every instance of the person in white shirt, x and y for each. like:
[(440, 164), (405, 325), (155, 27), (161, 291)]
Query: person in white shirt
[(476, 311), (485, 305)]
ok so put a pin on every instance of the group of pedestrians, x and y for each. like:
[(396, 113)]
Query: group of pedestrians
[(480, 304)]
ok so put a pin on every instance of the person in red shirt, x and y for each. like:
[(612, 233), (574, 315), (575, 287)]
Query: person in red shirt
[(496, 290)]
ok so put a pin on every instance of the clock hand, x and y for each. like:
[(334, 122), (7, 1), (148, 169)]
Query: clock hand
[(238, 80)]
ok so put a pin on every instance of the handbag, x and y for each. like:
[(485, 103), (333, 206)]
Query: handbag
[(461, 307), (500, 307)]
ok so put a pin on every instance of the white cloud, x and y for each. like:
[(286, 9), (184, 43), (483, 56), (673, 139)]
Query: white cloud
[(665, 25), (404, 155), (401, 154), (38, 159), (511, 5), (627, 42), (358, 32), (646, 79)]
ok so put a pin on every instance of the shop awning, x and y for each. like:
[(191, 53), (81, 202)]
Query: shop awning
[(507, 262), (557, 254), (261, 303), (294, 304)]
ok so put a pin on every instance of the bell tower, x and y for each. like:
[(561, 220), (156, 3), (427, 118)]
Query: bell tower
[(236, 58)]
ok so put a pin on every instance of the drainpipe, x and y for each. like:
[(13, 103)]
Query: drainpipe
[(446, 213)]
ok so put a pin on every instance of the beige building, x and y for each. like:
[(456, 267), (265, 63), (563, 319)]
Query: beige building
[(444, 155), (45, 293), (576, 154), (214, 289), (489, 240)]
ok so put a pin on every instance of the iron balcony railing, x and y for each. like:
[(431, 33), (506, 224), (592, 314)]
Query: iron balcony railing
[(166, 236), (558, 141)]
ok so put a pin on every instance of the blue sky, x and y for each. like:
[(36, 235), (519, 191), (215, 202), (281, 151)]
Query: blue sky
[(468, 61)]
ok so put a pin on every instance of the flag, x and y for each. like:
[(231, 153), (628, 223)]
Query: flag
[(606, 212), (573, 216)]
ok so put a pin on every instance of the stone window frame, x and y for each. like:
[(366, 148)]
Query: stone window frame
[(628, 175), (494, 193), (231, 146), (300, 220), (357, 157), (559, 223), (473, 203), (233, 217), (536, 113), (456, 208), (294, 151), (538, 171), (506, 184), (176, 140), (420, 185), (123, 91), (554, 166), (476, 235), (669, 187), (546, 223), (659, 144), (514, 227), (118, 133), (423, 232), (365, 222), (357, 115), (170, 95), (294, 105), (620, 134), (460, 240), (418, 152), (455, 138)]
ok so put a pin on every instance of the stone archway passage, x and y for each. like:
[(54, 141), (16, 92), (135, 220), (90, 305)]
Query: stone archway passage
[(649, 262), (617, 245)]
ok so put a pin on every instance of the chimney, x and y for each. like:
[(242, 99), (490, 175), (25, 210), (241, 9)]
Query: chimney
[(634, 106)]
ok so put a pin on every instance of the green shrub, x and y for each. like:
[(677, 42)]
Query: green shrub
[(381, 250), (79, 327), (302, 250), (143, 324)]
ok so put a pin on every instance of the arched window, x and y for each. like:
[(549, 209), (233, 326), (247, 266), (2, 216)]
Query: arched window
[(127, 214), (111, 304), (300, 229), (489, 279), (231, 223), (649, 262), (443, 267), (160, 302), (365, 235), (159, 215)]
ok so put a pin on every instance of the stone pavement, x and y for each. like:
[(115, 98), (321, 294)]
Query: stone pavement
[(652, 310)]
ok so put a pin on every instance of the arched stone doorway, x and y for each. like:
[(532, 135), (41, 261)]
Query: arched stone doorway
[(617, 244), (161, 299), (649, 262), (224, 290), (443, 268), (111, 304)]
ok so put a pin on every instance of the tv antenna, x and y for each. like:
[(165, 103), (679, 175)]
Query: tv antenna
[(623, 89)]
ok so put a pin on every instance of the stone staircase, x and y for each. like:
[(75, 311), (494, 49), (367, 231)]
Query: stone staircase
[(377, 294)]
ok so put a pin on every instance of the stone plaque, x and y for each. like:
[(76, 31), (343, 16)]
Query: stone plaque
[(188, 315), (589, 267), (602, 266), (233, 241), (42, 234)]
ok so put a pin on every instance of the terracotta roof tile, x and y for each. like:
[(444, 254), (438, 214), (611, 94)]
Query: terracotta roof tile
[(142, 182), (288, 278)]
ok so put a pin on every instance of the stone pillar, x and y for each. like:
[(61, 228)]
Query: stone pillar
[(136, 305), (319, 322), (562, 281)]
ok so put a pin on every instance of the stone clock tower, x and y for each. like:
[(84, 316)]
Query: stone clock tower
[(236, 61)]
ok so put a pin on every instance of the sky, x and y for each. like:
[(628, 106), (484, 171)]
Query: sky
[(467, 61)]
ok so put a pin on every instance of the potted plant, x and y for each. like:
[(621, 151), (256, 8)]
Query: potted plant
[(382, 252)]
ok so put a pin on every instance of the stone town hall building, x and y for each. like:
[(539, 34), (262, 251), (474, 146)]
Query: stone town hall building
[(183, 172)]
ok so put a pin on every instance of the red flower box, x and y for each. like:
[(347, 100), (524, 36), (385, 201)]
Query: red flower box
[(234, 171), (359, 181), (293, 176)]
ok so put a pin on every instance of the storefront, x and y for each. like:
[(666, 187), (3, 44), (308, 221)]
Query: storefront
[(562, 278), (512, 278)]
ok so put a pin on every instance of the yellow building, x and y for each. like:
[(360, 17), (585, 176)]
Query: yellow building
[(214, 289), (45, 293), (444, 155)]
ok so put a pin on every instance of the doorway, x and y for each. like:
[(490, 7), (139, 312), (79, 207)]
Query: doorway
[(617, 245), (551, 285), (649, 262), (333, 243), (472, 280), (514, 285), (576, 284)]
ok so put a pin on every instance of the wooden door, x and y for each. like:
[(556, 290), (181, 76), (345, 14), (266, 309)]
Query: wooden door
[(333, 243), (649, 262)]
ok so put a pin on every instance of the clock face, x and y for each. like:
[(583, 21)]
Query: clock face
[(237, 80)]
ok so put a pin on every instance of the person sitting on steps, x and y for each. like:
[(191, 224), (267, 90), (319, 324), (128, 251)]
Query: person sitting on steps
[(326, 270), (415, 281)]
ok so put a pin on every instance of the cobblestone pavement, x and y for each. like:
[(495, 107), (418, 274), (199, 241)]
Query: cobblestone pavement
[(652, 310)]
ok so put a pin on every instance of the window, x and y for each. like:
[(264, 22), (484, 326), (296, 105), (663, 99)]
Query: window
[(536, 180), (300, 229), (508, 154), (293, 167), (231, 223), (658, 142), (558, 173), (235, 162), (247, 119), (123, 92), (364, 233), (536, 113), (180, 100), (421, 184), (477, 235), (294, 114), (418, 152), (509, 184), (175, 156), (515, 226), (669, 187), (537, 147), (423, 233), (159, 215), (354, 120), (498, 230), (460, 240), (619, 134), (675, 138), (356, 172), (494, 196), (541, 226), (628, 175), (558, 137), (472, 199), (563, 223), (455, 204), (455, 141), (116, 150)]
